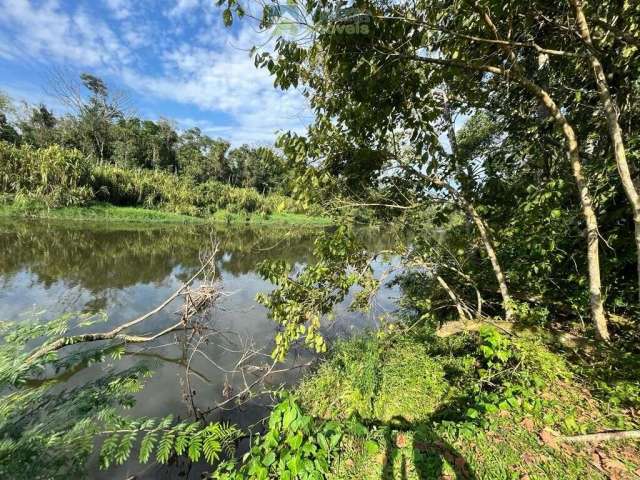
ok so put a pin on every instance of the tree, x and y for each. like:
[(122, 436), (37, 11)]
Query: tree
[(159, 139), (39, 129), (128, 143), (95, 114), (7, 132), (382, 80), (612, 112), (201, 157)]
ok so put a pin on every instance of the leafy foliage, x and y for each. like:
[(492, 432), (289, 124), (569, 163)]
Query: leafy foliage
[(301, 301), (61, 177), (40, 419), (54, 175), (294, 446), (160, 435)]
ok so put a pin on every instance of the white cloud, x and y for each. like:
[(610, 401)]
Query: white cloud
[(207, 66), (120, 9), (227, 81), (183, 6), (43, 31)]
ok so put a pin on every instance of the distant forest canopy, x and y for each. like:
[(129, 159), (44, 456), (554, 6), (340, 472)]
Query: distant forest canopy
[(99, 125)]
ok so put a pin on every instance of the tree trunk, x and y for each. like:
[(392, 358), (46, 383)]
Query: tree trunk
[(473, 215), (571, 140), (507, 303), (615, 132), (593, 255), (487, 242), (453, 297)]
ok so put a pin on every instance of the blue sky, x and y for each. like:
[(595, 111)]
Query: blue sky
[(173, 58)]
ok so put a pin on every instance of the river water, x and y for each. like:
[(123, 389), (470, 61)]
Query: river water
[(51, 268)]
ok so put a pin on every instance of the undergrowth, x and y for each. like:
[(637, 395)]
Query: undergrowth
[(485, 405)]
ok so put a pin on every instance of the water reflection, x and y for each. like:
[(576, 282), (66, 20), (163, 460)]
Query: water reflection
[(127, 270)]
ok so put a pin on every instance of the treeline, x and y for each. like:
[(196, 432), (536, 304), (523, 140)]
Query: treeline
[(98, 151), (98, 124), (54, 176)]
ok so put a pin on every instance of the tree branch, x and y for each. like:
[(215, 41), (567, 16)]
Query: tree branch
[(601, 437), (116, 334)]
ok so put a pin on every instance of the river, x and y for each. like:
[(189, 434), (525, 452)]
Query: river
[(51, 268)]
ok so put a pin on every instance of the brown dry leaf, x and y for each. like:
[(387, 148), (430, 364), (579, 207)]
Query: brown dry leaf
[(528, 458), (614, 467), (401, 440), (548, 438), (460, 463), (525, 477), (349, 463), (528, 424)]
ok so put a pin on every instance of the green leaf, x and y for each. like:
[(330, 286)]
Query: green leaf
[(371, 447), (294, 441), (146, 447), (269, 458)]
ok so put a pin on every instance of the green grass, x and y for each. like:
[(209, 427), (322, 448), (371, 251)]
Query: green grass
[(111, 213), (413, 393), (223, 216), (103, 212)]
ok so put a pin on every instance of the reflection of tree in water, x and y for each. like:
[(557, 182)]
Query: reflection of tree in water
[(98, 257)]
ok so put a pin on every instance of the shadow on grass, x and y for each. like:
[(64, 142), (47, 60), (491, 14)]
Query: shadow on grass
[(430, 453)]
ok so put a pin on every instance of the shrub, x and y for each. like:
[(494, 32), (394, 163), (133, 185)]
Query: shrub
[(376, 380), (59, 177), (54, 175), (145, 188)]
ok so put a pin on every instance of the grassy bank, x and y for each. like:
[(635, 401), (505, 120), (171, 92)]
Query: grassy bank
[(468, 407), (103, 212)]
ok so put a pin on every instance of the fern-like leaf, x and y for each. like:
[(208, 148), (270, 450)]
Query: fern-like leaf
[(146, 446), (195, 447), (182, 441), (211, 447), (165, 446)]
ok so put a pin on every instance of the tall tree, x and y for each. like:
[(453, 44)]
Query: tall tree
[(39, 128)]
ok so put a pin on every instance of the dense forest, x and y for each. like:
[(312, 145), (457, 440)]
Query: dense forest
[(99, 151), (498, 143)]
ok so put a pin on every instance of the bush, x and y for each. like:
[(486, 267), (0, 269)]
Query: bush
[(376, 380), (146, 188), (56, 176), (61, 177)]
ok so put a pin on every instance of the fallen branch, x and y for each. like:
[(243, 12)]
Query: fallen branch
[(459, 326), (601, 437), (116, 333)]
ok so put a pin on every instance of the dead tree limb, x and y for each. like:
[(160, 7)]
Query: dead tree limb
[(117, 333), (601, 437)]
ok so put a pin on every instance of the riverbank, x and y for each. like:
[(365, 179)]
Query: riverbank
[(471, 406), (102, 212)]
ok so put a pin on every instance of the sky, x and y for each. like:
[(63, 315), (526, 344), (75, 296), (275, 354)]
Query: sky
[(172, 58)]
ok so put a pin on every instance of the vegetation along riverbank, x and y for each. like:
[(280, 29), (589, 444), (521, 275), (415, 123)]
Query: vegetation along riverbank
[(485, 325), (55, 182)]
